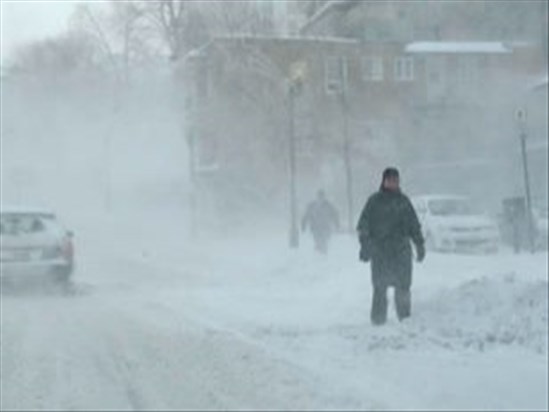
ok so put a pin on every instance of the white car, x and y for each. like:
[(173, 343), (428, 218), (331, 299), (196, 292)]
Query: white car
[(450, 223), (34, 243)]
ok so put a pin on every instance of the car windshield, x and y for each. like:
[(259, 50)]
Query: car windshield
[(13, 224), (450, 207)]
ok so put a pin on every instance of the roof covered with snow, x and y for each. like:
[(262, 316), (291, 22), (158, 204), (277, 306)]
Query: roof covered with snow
[(325, 39), (198, 52), (457, 47), (27, 210), (541, 82)]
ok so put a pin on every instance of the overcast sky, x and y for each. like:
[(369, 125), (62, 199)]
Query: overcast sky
[(24, 21)]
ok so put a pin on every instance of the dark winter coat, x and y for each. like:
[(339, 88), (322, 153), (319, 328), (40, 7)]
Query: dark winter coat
[(321, 217), (387, 224)]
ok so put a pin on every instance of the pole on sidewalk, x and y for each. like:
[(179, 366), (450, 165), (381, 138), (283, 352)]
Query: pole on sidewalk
[(347, 145), (528, 196), (347, 161), (294, 231)]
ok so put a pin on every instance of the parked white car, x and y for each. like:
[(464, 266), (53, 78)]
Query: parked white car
[(450, 223), (34, 243)]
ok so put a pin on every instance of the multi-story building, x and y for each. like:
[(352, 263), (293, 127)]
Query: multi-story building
[(471, 62), (434, 107)]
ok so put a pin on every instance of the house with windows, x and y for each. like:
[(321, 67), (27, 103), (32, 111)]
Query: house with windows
[(389, 102), (378, 79), (352, 96), (469, 63)]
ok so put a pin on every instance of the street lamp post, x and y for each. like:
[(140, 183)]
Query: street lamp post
[(297, 74), (347, 159), (294, 230), (346, 144), (521, 119)]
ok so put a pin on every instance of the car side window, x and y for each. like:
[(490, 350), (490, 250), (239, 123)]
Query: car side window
[(22, 224)]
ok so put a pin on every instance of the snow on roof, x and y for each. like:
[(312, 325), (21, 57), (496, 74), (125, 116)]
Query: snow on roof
[(32, 210), (457, 47), (330, 39), (541, 83), (197, 52)]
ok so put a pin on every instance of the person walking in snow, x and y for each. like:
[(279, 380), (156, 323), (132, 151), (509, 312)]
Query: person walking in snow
[(322, 218), (386, 226)]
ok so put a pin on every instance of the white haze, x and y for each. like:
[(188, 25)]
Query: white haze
[(172, 310)]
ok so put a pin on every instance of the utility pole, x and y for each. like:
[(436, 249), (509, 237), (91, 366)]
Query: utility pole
[(297, 74), (294, 231), (347, 148), (521, 119)]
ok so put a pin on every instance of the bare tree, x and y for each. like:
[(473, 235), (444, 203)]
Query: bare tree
[(126, 24), (236, 17), (121, 32), (56, 57), (186, 25), (92, 24), (178, 23)]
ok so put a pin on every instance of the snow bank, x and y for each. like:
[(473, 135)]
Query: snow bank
[(486, 313)]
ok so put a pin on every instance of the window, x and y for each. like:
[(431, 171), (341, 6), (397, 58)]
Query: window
[(467, 70), (372, 68), (335, 74), (404, 69)]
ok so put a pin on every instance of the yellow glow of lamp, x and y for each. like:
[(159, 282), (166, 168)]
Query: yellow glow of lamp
[(298, 70)]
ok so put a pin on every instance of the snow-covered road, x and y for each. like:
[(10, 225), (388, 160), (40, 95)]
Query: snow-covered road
[(208, 326), (109, 345)]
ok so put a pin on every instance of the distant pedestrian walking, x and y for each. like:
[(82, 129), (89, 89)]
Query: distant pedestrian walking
[(322, 219)]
